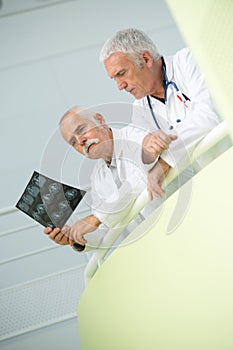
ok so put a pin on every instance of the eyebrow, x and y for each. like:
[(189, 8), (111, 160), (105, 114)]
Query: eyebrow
[(120, 71), (78, 129)]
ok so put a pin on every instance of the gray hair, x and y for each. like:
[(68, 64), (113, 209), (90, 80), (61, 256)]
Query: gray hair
[(82, 112), (132, 42)]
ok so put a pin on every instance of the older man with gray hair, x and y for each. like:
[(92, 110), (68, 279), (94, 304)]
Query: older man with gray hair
[(170, 92), (120, 175)]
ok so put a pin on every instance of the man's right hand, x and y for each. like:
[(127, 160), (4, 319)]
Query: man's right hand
[(71, 235), (59, 236), (155, 143)]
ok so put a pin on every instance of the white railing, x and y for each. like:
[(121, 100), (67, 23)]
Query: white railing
[(96, 260)]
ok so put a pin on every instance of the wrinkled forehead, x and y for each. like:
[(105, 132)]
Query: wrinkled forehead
[(117, 61), (118, 57), (71, 122)]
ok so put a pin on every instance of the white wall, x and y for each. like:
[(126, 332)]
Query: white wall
[(48, 63)]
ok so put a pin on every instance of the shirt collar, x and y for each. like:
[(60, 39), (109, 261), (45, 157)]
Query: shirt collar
[(116, 136)]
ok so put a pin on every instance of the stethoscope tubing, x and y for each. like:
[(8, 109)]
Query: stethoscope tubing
[(152, 113), (166, 85)]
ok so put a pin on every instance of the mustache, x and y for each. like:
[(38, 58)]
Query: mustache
[(87, 144)]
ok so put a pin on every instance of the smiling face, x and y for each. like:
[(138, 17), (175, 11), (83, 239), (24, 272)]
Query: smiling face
[(92, 140), (140, 82)]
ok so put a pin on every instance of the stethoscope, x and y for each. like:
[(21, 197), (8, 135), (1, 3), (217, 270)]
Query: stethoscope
[(181, 96)]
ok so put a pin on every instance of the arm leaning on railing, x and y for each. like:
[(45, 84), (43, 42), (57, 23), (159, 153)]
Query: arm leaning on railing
[(211, 139)]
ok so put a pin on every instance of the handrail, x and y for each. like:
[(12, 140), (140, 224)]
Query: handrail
[(96, 260)]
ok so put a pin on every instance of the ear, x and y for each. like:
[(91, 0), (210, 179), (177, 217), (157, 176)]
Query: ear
[(100, 119), (147, 58)]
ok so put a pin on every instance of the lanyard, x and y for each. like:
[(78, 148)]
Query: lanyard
[(182, 97)]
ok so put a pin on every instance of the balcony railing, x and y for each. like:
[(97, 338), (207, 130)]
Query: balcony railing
[(214, 138)]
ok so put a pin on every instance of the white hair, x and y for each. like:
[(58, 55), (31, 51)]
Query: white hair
[(132, 42), (81, 112)]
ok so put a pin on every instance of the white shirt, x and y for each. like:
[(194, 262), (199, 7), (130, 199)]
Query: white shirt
[(114, 188), (189, 123)]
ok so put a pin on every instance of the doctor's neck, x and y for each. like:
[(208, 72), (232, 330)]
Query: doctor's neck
[(108, 147), (157, 89)]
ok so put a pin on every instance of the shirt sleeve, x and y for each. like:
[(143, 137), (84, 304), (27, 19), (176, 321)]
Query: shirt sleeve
[(112, 203), (112, 213)]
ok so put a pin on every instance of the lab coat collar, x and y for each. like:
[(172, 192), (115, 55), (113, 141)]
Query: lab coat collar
[(168, 60), (116, 148), (169, 67), (169, 71), (117, 138)]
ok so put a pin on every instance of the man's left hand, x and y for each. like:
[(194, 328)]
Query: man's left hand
[(156, 177)]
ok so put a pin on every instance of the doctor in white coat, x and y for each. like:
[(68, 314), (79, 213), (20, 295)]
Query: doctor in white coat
[(170, 94), (120, 174)]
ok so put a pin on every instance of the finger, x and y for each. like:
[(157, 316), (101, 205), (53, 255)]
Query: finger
[(173, 137), (77, 237), (157, 142), (71, 242), (162, 142), (66, 230), (154, 149), (150, 195), (54, 232), (81, 240), (61, 239), (157, 148), (47, 230), (155, 192), (159, 192), (156, 189), (162, 136)]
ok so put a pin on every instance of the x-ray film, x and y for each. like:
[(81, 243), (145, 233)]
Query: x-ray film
[(49, 202)]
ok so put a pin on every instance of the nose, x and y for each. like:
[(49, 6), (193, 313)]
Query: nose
[(121, 84)]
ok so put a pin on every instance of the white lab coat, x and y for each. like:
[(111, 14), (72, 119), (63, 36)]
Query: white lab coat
[(195, 121), (114, 189), (113, 196)]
